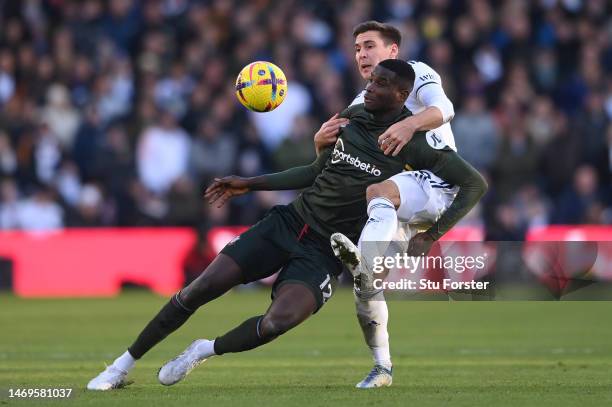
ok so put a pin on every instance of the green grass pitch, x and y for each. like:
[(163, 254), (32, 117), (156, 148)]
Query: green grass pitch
[(445, 353)]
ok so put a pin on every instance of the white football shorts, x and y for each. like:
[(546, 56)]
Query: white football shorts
[(423, 198)]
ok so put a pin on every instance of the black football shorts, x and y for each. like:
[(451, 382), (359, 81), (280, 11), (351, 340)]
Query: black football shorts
[(282, 241)]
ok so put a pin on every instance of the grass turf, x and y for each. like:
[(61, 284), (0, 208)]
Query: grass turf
[(445, 353)]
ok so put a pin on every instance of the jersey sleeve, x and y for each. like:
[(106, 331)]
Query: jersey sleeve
[(293, 178), (422, 153), (472, 186), (428, 90), (350, 111)]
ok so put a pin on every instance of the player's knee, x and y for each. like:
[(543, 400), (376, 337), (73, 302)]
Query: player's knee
[(373, 191), (385, 189), (273, 325)]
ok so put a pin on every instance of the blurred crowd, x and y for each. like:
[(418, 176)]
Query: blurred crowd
[(120, 112)]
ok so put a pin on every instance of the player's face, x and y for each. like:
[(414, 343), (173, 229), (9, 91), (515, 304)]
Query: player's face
[(381, 92), (370, 49)]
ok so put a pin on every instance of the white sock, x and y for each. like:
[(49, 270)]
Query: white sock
[(125, 362), (373, 317), (206, 349), (379, 230)]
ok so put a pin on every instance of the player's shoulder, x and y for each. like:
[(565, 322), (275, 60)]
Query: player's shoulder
[(423, 73), (353, 111)]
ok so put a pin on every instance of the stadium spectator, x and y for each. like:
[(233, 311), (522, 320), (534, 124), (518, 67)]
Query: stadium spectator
[(476, 133), (8, 158), (559, 158), (40, 211), (68, 184), (516, 164), (275, 126), (296, 149), (213, 150), (8, 204), (88, 142), (163, 153), (89, 209), (7, 79), (582, 202), (60, 116)]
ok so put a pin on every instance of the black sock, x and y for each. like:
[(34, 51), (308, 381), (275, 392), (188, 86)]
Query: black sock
[(168, 319), (244, 337)]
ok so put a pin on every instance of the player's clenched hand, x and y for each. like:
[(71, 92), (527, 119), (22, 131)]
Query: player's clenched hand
[(397, 136), (420, 244), (222, 189), (328, 133)]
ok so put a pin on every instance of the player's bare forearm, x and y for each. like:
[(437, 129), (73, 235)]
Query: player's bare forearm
[(400, 133), (472, 186), (430, 118)]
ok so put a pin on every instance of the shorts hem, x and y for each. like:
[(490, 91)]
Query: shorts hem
[(243, 278)]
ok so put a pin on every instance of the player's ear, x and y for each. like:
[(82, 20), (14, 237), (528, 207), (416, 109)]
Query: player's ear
[(394, 51)]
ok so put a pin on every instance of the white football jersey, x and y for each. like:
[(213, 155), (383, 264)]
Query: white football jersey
[(427, 87)]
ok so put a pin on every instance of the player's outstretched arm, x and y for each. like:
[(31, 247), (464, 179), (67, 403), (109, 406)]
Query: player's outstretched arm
[(328, 133), (472, 186), (293, 178), (223, 189)]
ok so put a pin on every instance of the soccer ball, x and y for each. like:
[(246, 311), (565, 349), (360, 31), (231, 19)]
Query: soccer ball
[(261, 86)]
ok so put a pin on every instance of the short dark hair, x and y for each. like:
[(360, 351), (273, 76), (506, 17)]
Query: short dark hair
[(390, 34), (403, 71)]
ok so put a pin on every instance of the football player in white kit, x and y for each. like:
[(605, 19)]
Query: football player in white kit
[(414, 198)]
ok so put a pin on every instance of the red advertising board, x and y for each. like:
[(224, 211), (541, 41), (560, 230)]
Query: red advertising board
[(96, 262)]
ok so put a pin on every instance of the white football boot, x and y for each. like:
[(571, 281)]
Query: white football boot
[(111, 378), (379, 376), (349, 254), (175, 370)]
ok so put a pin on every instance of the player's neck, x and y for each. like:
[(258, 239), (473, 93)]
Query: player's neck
[(387, 115)]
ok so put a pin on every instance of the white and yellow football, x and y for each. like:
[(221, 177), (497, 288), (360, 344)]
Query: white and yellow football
[(261, 86)]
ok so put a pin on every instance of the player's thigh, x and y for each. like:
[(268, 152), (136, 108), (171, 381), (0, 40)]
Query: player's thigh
[(413, 197), (313, 269), (262, 249)]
